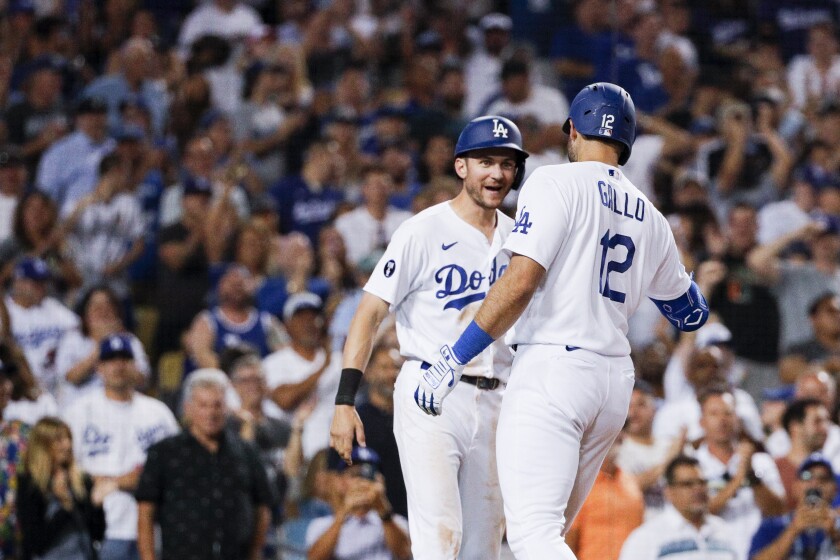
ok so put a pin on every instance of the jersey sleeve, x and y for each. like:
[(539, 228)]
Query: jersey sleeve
[(670, 280), (397, 271), (543, 218)]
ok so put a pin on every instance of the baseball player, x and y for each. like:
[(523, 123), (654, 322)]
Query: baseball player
[(436, 270), (587, 245)]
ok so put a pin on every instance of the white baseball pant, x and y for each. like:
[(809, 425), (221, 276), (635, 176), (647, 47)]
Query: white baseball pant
[(449, 465), (562, 411)]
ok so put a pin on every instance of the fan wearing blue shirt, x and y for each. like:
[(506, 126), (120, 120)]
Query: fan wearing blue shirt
[(811, 531)]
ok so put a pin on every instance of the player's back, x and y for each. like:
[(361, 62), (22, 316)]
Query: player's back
[(604, 247)]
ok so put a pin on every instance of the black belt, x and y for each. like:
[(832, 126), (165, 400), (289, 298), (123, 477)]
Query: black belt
[(485, 383)]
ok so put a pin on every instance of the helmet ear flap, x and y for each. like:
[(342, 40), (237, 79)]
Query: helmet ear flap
[(518, 176)]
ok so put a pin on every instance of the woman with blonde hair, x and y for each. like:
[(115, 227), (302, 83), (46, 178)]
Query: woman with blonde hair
[(59, 507)]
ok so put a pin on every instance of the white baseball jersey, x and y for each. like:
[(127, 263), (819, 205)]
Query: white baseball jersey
[(620, 251), (38, 331), (110, 438), (435, 273)]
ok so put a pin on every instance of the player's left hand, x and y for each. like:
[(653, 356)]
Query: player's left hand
[(437, 382)]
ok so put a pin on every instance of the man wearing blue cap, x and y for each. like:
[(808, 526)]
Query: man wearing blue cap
[(811, 532), (112, 429), (363, 525), (38, 321)]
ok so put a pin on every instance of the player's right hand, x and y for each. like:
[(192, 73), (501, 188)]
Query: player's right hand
[(437, 382), (346, 425)]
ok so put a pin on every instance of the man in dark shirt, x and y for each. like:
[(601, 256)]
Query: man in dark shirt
[(378, 418), (745, 304), (206, 487), (40, 118), (183, 270)]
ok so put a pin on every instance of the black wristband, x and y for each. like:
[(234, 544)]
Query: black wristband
[(348, 385)]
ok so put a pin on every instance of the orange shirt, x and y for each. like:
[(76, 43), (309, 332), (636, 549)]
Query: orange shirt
[(612, 510)]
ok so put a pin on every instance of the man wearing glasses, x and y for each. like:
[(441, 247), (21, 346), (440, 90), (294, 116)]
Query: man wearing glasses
[(812, 530), (685, 530)]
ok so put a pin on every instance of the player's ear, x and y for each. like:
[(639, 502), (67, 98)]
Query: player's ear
[(461, 167)]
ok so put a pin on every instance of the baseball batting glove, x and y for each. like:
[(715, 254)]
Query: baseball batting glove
[(437, 382)]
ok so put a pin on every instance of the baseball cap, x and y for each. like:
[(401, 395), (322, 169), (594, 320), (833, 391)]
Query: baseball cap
[(343, 115), (513, 67), (785, 393), (814, 460), (32, 268), (301, 302), (429, 40), (91, 105), (359, 455), (129, 133), (197, 185), (702, 126), (43, 62), (495, 20), (263, 204), (831, 224), (390, 111), (20, 7), (209, 118), (10, 156), (115, 346), (712, 334), (134, 101), (644, 387)]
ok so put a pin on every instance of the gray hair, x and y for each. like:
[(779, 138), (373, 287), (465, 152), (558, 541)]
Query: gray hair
[(247, 360), (206, 378)]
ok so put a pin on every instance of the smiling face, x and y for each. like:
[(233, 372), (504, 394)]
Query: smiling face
[(488, 175)]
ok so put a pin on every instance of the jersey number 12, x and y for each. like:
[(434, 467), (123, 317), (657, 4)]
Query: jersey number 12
[(608, 243)]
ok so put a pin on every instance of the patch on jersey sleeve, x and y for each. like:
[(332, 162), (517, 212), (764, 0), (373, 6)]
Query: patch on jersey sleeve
[(523, 222), (389, 269)]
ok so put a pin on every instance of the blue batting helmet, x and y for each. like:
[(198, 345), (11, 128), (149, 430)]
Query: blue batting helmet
[(605, 111), (493, 131)]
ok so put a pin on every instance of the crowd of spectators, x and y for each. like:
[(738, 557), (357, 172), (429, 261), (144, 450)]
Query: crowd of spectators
[(189, 188)]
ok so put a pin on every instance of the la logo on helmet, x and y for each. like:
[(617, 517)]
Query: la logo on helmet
[(499, 129)]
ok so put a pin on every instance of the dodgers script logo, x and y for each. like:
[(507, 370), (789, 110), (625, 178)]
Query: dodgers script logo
[(499, 130), (455, 281), (95, 442)]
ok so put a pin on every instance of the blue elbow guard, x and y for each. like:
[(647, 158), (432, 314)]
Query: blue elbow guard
[(688, 312)]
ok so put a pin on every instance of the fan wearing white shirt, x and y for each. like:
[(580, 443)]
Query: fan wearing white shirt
[(685, 530), (744, 482), (370, 226), (112, 430), (306, 370)]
